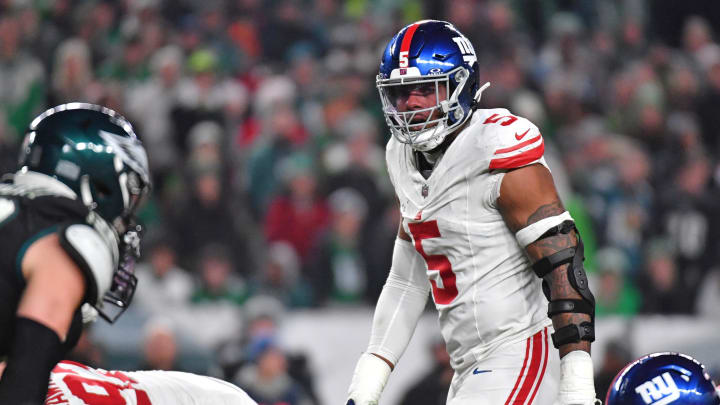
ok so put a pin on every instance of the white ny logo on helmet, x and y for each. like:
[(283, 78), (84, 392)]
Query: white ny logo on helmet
[(660, 390), (466, 48)]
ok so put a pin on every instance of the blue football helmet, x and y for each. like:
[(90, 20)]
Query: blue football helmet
[(663, 378), (429, 55)]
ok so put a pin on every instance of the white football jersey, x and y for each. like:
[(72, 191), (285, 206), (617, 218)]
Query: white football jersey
[(76, 384), (482, 284)]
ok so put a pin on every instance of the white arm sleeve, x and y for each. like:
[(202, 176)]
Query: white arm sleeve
[(401, 303)]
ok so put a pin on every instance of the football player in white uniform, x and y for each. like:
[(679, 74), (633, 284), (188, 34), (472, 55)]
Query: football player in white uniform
[(76, 384), (483, 230)]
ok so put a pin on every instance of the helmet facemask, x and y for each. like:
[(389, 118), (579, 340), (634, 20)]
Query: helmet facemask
[(122, 289), (134, 187), (134, 192), (430, 133)]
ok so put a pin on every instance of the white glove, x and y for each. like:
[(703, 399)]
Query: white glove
[(371, 374), (576, 379)]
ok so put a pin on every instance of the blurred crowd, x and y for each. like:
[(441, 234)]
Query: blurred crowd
[(266, 144)]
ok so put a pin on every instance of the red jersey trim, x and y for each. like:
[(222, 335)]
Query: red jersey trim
[(518, 146), (519, 160)]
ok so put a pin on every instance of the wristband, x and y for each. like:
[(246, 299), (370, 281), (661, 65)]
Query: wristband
[(371, 374)]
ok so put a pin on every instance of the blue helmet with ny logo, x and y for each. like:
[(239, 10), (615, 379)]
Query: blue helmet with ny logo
[(663, 378), (434, 56)]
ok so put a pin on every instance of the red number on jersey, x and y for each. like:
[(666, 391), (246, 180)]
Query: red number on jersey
[(99, 392), (509, 119), (428, 230)]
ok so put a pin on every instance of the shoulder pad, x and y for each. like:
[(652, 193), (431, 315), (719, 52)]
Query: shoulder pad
[(512, 141), (93, 255)]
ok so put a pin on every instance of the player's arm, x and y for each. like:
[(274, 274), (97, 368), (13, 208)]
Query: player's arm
[(532, 209), (55, 288), (397, 312)]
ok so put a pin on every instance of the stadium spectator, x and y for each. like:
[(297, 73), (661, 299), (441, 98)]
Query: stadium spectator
[(300, 215), (159, 346), (281, 278), (615, 294), (22, 79), (617, 356), (218, 279), (265, 377), (339, 268), (663, 292), (432, 388), (162, 285)]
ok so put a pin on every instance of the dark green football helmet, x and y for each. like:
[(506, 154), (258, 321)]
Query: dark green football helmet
[(94, 151)]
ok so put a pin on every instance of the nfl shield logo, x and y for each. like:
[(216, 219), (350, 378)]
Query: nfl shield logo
[(425, 190), (403, 71)]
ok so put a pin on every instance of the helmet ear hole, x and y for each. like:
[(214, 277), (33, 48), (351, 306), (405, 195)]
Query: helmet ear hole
[(101, 190)]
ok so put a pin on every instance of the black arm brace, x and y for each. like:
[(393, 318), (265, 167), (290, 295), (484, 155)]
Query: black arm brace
[(573, 256), (35, 351)]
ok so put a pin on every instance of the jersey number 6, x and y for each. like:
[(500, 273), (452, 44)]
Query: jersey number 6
[(447, 291)]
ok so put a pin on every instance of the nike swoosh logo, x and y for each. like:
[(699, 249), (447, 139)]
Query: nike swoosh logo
[(476, 371), (519, 137)]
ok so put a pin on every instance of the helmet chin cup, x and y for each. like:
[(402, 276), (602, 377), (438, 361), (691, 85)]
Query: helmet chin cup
[(429, 139)]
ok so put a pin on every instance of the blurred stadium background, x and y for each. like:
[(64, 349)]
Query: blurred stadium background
[(270, 232)]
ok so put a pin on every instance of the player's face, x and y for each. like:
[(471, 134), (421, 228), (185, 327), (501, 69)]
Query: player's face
[(419, 96)]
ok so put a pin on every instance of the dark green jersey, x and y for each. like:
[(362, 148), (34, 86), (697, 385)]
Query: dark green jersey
[(26, 215)]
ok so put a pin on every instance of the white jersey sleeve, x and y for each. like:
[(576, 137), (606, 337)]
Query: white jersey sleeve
[(510, 142), (506, 142), (76, 384), (400, 304)]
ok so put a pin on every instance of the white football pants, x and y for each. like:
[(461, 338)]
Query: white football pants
[(522, 373)]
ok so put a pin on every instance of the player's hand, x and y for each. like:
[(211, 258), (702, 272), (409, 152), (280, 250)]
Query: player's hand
[(576, 380), (371, 374)]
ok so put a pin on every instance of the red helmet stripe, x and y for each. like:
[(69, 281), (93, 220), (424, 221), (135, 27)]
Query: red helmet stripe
[(407, 39)]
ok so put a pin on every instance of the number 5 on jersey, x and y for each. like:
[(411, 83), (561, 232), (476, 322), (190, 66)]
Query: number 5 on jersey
[(443, 287)]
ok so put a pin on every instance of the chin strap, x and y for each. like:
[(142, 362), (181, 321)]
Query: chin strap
[(478, 93)]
